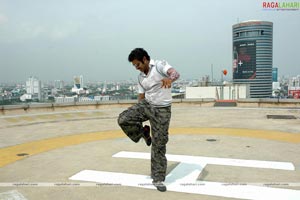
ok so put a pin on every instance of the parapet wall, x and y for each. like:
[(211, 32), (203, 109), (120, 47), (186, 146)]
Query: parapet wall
[(53, 107), (269, 103)]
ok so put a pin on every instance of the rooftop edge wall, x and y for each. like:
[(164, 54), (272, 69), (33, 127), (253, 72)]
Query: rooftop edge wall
[(52, 107)]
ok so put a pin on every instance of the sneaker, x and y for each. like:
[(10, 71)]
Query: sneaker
[(160, 186), (146, 135)]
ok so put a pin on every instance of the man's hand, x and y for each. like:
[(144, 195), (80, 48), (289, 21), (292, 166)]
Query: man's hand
[(166, 83), (141, 96)]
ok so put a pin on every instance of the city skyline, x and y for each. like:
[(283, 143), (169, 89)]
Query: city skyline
[(55, 40)]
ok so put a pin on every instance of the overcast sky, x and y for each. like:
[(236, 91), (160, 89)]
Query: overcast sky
[(57, 39)]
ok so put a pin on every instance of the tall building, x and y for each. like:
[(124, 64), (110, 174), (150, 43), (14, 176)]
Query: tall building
[(59, 84), (275, 74), (78, 87), (294, 87), (34, 88), (78, 82), (252, 56)]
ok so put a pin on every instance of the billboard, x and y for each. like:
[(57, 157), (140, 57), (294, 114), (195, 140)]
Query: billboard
[(244, 59), (294, 92)]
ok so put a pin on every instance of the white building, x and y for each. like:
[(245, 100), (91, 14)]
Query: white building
[(276, 89), (25, 97), (80, 99), (294, 81), (294, 87), (78, 85), (59, 84), (64, 100), (227, 92), (34, 89), (78, 81)]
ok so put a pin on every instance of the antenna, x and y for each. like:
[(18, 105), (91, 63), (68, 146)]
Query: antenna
[(212, 73)]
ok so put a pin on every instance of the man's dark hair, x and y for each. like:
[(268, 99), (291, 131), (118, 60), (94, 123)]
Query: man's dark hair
[(138, 54)]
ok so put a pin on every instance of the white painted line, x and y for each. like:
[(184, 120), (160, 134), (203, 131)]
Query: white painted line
[(198, 187), (212, 160), (184, 178), (113, 178), (184, 173), (12, 195)]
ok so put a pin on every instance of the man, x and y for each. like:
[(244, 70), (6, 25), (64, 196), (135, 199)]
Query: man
[(154, 104)]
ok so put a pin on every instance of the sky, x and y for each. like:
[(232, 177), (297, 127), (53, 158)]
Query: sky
[(59, 39)]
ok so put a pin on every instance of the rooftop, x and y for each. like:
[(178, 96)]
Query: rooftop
[(79, 152)]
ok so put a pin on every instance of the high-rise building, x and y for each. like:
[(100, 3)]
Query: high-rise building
[(34, 88), (78, 87), (275, 74), (78, 82), (59, 84), (294, 87), (252, 56)]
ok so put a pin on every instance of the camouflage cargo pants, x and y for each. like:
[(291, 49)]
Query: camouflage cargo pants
[(131, 122)]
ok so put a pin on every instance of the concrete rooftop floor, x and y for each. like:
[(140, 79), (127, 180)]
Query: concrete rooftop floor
[(213, 153)]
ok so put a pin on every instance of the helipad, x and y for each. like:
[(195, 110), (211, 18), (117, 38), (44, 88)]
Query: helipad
[(213, 153)]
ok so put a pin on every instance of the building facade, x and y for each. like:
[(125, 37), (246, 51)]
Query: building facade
[(275, 74), (78, 82), (253, 56), (59, 84), (227, 92), (78, 87), (294, 87), (34, 88)]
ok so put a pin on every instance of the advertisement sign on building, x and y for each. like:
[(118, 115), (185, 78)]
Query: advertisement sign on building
[(294, 92), (244, 59)]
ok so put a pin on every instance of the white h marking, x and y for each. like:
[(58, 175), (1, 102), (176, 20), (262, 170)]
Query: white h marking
[(184, 177)]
